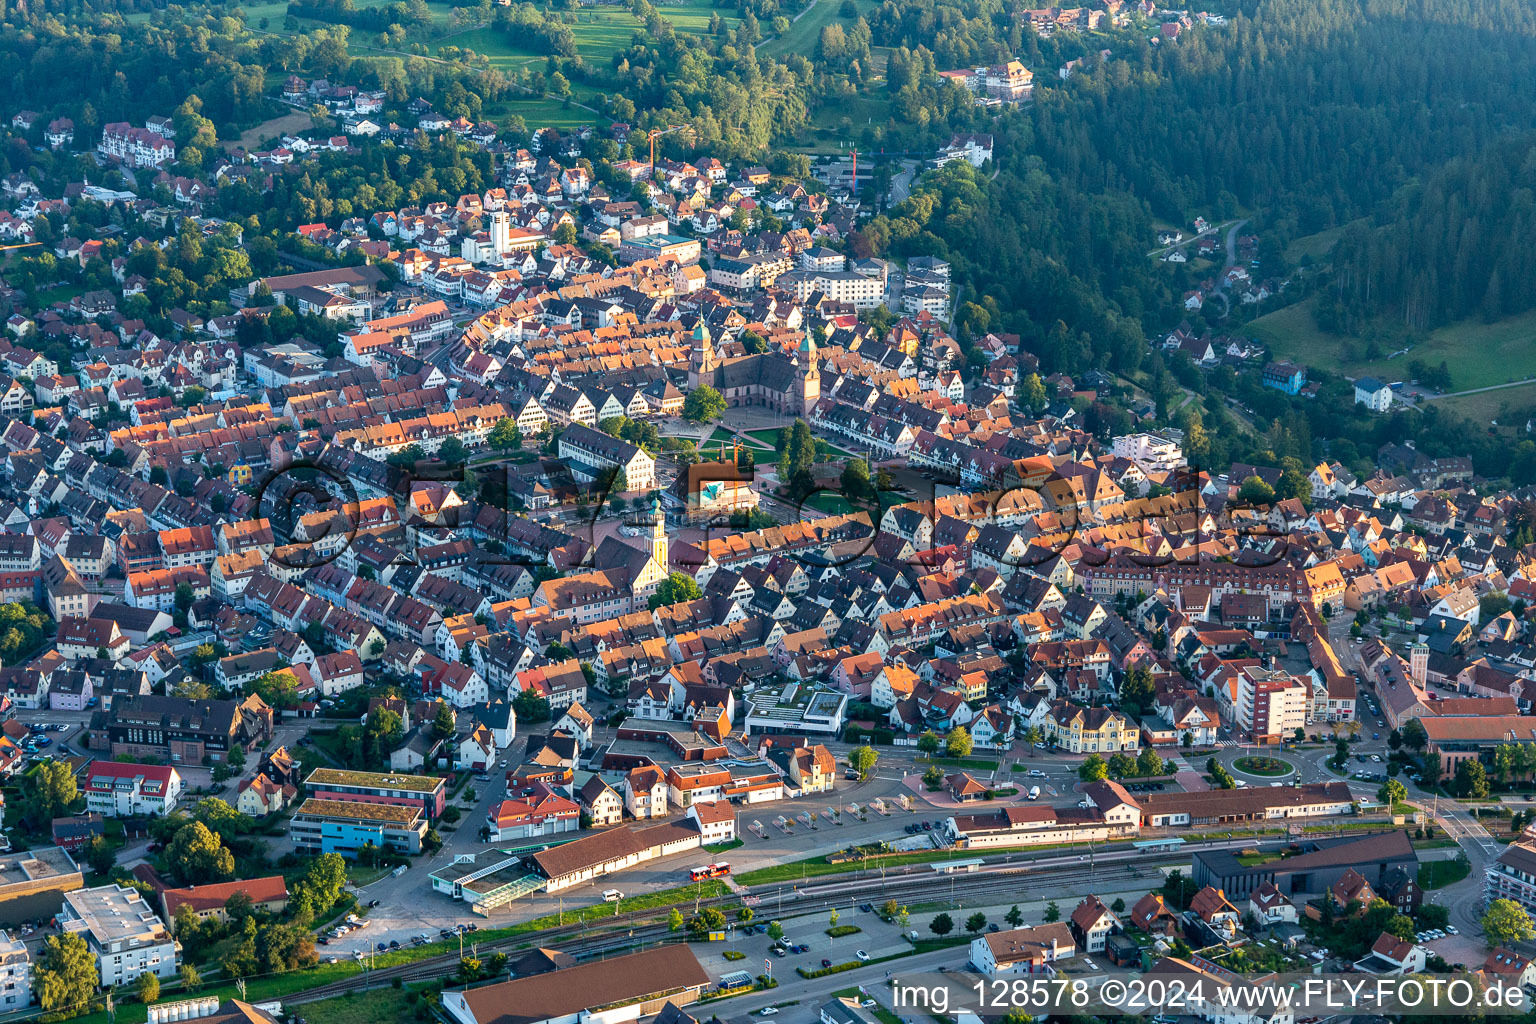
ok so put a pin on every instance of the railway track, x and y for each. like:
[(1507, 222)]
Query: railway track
[(584, 940)]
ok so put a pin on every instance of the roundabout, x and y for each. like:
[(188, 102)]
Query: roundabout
[(1263, 766)]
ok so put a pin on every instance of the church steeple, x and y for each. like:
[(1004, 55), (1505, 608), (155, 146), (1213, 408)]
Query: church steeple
[(808, 372), (659, 535), (701, 356)]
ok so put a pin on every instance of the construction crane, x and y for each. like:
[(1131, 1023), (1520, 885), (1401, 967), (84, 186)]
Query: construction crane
[(656, 133)]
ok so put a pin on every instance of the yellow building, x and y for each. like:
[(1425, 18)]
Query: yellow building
[(1081, 730)]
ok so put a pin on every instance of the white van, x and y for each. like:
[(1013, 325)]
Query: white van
[(612, 895), (1034, 792)]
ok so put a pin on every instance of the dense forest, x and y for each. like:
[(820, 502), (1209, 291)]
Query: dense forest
[(1459, 243), (412, 16)]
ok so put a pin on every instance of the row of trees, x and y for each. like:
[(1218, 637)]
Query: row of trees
[(1121, 765)]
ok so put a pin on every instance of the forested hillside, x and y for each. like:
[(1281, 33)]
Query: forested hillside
[(1460, 243), (1301, 114)]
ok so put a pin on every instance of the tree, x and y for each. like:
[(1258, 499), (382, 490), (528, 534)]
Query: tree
[(1148, 762), (443, 722), (862, 760), (321, 885), (239, 907), (775, 931), (976, 922), (1030, 392), (1254, 491), (1414, 735), (1121, 765), (191, 980), (942, 925), (197, 856), (703, 405), (1118, 906), (147, 988), (100, 855), (745, 915), (1506, 923), (1471, 779), (677, 588), (1392, 792), (530, 707), (51, 790), (505, 435), (797, 456), (929, 742), (957, 742), (1052, 912), (1093, 769), (855, 479), (279, 689), (65, 977), (674, 920), (1136, 691), (1178, 890), (710, 919), (1014, 917), (832, 918)]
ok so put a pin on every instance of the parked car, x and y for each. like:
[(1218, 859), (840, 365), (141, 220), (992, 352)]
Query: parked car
[(861, 954)]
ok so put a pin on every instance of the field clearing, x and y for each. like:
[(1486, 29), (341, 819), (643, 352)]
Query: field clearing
[(1317, 246), (275, 11), (599, 34), (384, 1006), (804, 33), (293, 122), (1479, 354), (540, 113), (1487, 405)]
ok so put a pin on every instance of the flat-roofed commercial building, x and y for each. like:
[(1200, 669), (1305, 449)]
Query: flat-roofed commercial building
[(32, 884), (428, 793), (1313, 869), (656, 247), (124, 934), (347, 826)]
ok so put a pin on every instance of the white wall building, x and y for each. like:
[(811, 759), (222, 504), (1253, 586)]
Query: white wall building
[(124, 934), (15, 974), (120, 790), (1153, 454)]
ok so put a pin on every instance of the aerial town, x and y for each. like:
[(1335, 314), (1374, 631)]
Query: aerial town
[(650, 583)]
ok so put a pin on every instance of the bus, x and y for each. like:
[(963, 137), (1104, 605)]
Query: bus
[(712, 871)]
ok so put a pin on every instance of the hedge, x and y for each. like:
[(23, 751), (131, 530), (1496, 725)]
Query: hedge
[(822, 972), (844, 929)]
